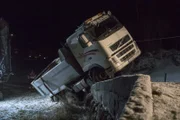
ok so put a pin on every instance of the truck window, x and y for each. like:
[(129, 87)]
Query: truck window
[(83, 45), (104, 27)]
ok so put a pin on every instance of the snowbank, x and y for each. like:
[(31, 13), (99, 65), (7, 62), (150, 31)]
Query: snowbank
[(161, 65), (166, 99), (139, 105), (126, 97), (166, 67)]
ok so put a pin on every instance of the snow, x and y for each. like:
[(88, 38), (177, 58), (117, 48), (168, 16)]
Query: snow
[(165, 66), (166, 101), (158, 63), (25, 101), (31, 103)]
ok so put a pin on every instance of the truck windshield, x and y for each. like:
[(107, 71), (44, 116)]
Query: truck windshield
[(104, 28)]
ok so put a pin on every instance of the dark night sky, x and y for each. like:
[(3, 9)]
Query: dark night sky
[(47, 23)]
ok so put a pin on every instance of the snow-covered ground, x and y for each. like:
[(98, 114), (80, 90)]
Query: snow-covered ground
[(166, 101), (165, 66), (21, 102), (18, 103), (158, 63)]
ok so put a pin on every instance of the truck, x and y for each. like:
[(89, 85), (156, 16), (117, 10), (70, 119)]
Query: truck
[(98, 50), (5, 54)]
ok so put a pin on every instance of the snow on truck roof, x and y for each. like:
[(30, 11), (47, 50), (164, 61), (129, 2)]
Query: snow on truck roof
[(91, 21), (93, 18), (81, 28)]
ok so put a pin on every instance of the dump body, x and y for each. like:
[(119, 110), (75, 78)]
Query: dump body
[(51, 81)]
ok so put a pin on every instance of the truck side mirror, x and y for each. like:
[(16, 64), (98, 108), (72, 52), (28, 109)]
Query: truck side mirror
[(109, 13), (61, 56), (85, 41)]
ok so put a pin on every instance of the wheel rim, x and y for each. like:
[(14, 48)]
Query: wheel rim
[(98, 74), (102, 75)]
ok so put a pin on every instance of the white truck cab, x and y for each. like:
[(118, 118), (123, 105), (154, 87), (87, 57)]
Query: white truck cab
[(102, 40)]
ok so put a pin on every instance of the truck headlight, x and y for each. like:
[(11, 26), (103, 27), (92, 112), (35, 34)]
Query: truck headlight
[(115, 61)]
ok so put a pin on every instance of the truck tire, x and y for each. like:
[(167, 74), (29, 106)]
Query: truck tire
[(71, 98), (55, 98), (58, 97), (68, 98), (88, 99), (98, 74)]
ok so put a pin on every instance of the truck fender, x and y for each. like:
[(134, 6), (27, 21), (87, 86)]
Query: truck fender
[(93, 66)]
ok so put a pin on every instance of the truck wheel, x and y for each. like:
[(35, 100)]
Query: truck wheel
[(88, 99), (98, 74), (68, 98), (55, 98), (71, 98), (58, 97)]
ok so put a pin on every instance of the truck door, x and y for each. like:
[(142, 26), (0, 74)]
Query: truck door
[(80, 48)]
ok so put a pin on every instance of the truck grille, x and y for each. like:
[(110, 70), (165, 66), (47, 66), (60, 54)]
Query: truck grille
[(125, 51), (128, 56), (120, 42)]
